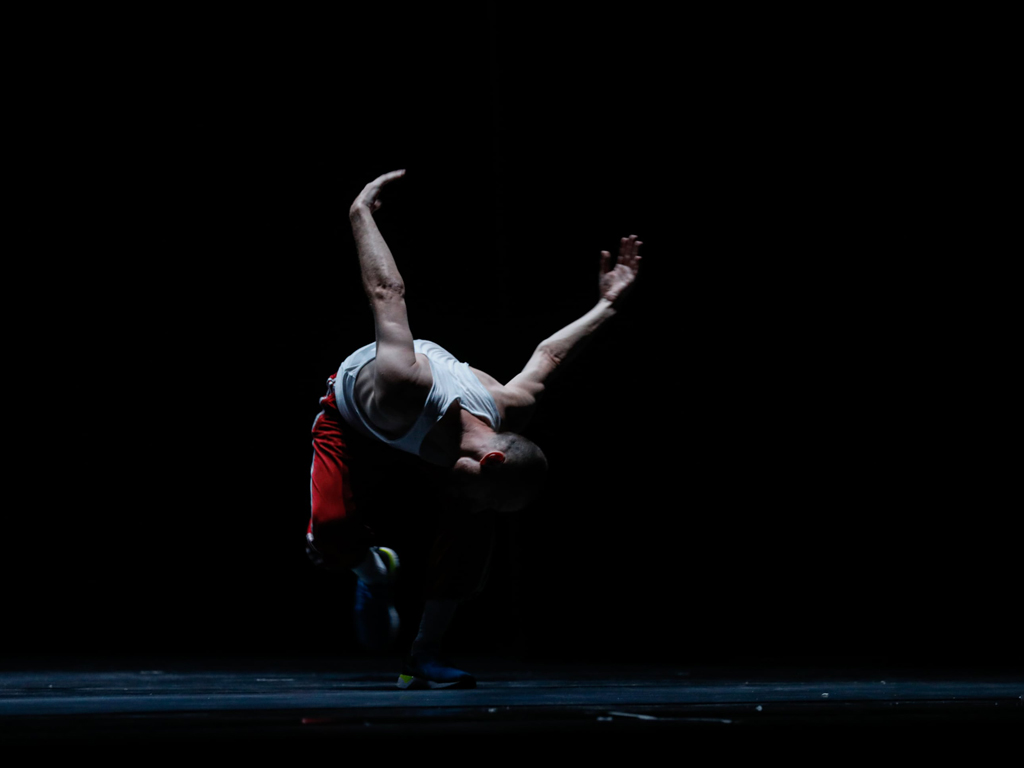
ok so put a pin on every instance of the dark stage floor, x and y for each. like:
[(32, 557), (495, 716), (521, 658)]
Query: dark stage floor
[(354, 701)]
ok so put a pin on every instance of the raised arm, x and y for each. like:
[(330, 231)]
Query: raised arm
[(555, 351), (401, 384)]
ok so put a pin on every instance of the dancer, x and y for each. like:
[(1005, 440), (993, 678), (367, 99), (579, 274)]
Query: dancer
[(414, 396)]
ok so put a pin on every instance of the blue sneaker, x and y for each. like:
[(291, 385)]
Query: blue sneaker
[(428, 670), (375, 616)]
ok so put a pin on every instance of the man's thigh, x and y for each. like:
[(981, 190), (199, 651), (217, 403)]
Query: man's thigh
[(336, 536)]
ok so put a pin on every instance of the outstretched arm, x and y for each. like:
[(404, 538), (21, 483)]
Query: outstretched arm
[(400, 383), (377, 265), (553, 353)]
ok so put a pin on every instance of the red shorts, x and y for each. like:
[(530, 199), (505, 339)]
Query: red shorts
[(336, 537)]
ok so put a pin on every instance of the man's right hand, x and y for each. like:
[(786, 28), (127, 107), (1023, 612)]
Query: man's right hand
[(367, 199)]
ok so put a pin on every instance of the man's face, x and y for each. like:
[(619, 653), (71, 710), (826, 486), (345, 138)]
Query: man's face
[(471, 490), (477, 488), (478, 493)]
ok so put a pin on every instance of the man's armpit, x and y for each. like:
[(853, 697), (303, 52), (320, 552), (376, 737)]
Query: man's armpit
[(401, 387), (397, 409)]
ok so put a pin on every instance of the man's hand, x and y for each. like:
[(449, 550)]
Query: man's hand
[(615, 283), (367, 199)]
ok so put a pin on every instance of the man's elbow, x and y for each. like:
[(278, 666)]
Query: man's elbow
[(548, 356), (385, 291)]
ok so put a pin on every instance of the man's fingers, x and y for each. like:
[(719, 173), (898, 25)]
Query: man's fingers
[(371, 190), (374, 186), (382, 180), (634, 251), (629, 255), (629, 252), (386, 177)]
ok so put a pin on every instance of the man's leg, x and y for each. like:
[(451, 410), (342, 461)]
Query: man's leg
[(457, 571), (337, 539)]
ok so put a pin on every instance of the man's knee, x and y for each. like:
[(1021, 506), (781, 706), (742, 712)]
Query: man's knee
[(339, 544)]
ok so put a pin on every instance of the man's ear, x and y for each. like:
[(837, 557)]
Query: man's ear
[(494, 457)]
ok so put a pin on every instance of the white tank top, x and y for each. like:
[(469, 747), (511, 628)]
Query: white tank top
[(452, 381)]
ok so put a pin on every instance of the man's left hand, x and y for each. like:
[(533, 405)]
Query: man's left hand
[(615, 282)]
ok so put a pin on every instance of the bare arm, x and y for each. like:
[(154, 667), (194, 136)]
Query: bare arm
[(552, 354), (400, 383), (376, 264)]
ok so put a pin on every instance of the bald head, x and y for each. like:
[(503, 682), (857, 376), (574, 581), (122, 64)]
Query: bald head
[(520, 477), (508, 477)]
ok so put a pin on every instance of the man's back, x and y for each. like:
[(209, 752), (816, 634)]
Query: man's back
[(416, 422)]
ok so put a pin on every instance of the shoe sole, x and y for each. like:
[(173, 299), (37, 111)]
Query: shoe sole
[(411, 682)]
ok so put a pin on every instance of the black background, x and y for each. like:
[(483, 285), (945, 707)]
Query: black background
[(787, 447)]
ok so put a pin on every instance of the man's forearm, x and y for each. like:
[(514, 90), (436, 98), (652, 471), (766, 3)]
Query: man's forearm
[(379, 271), (566, 343)]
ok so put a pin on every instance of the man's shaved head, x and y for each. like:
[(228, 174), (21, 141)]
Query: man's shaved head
[(505, 483)]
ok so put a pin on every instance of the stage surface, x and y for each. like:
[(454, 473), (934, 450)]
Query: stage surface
[(354, 703)]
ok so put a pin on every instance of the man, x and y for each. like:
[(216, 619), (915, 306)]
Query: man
[(413, 395)]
